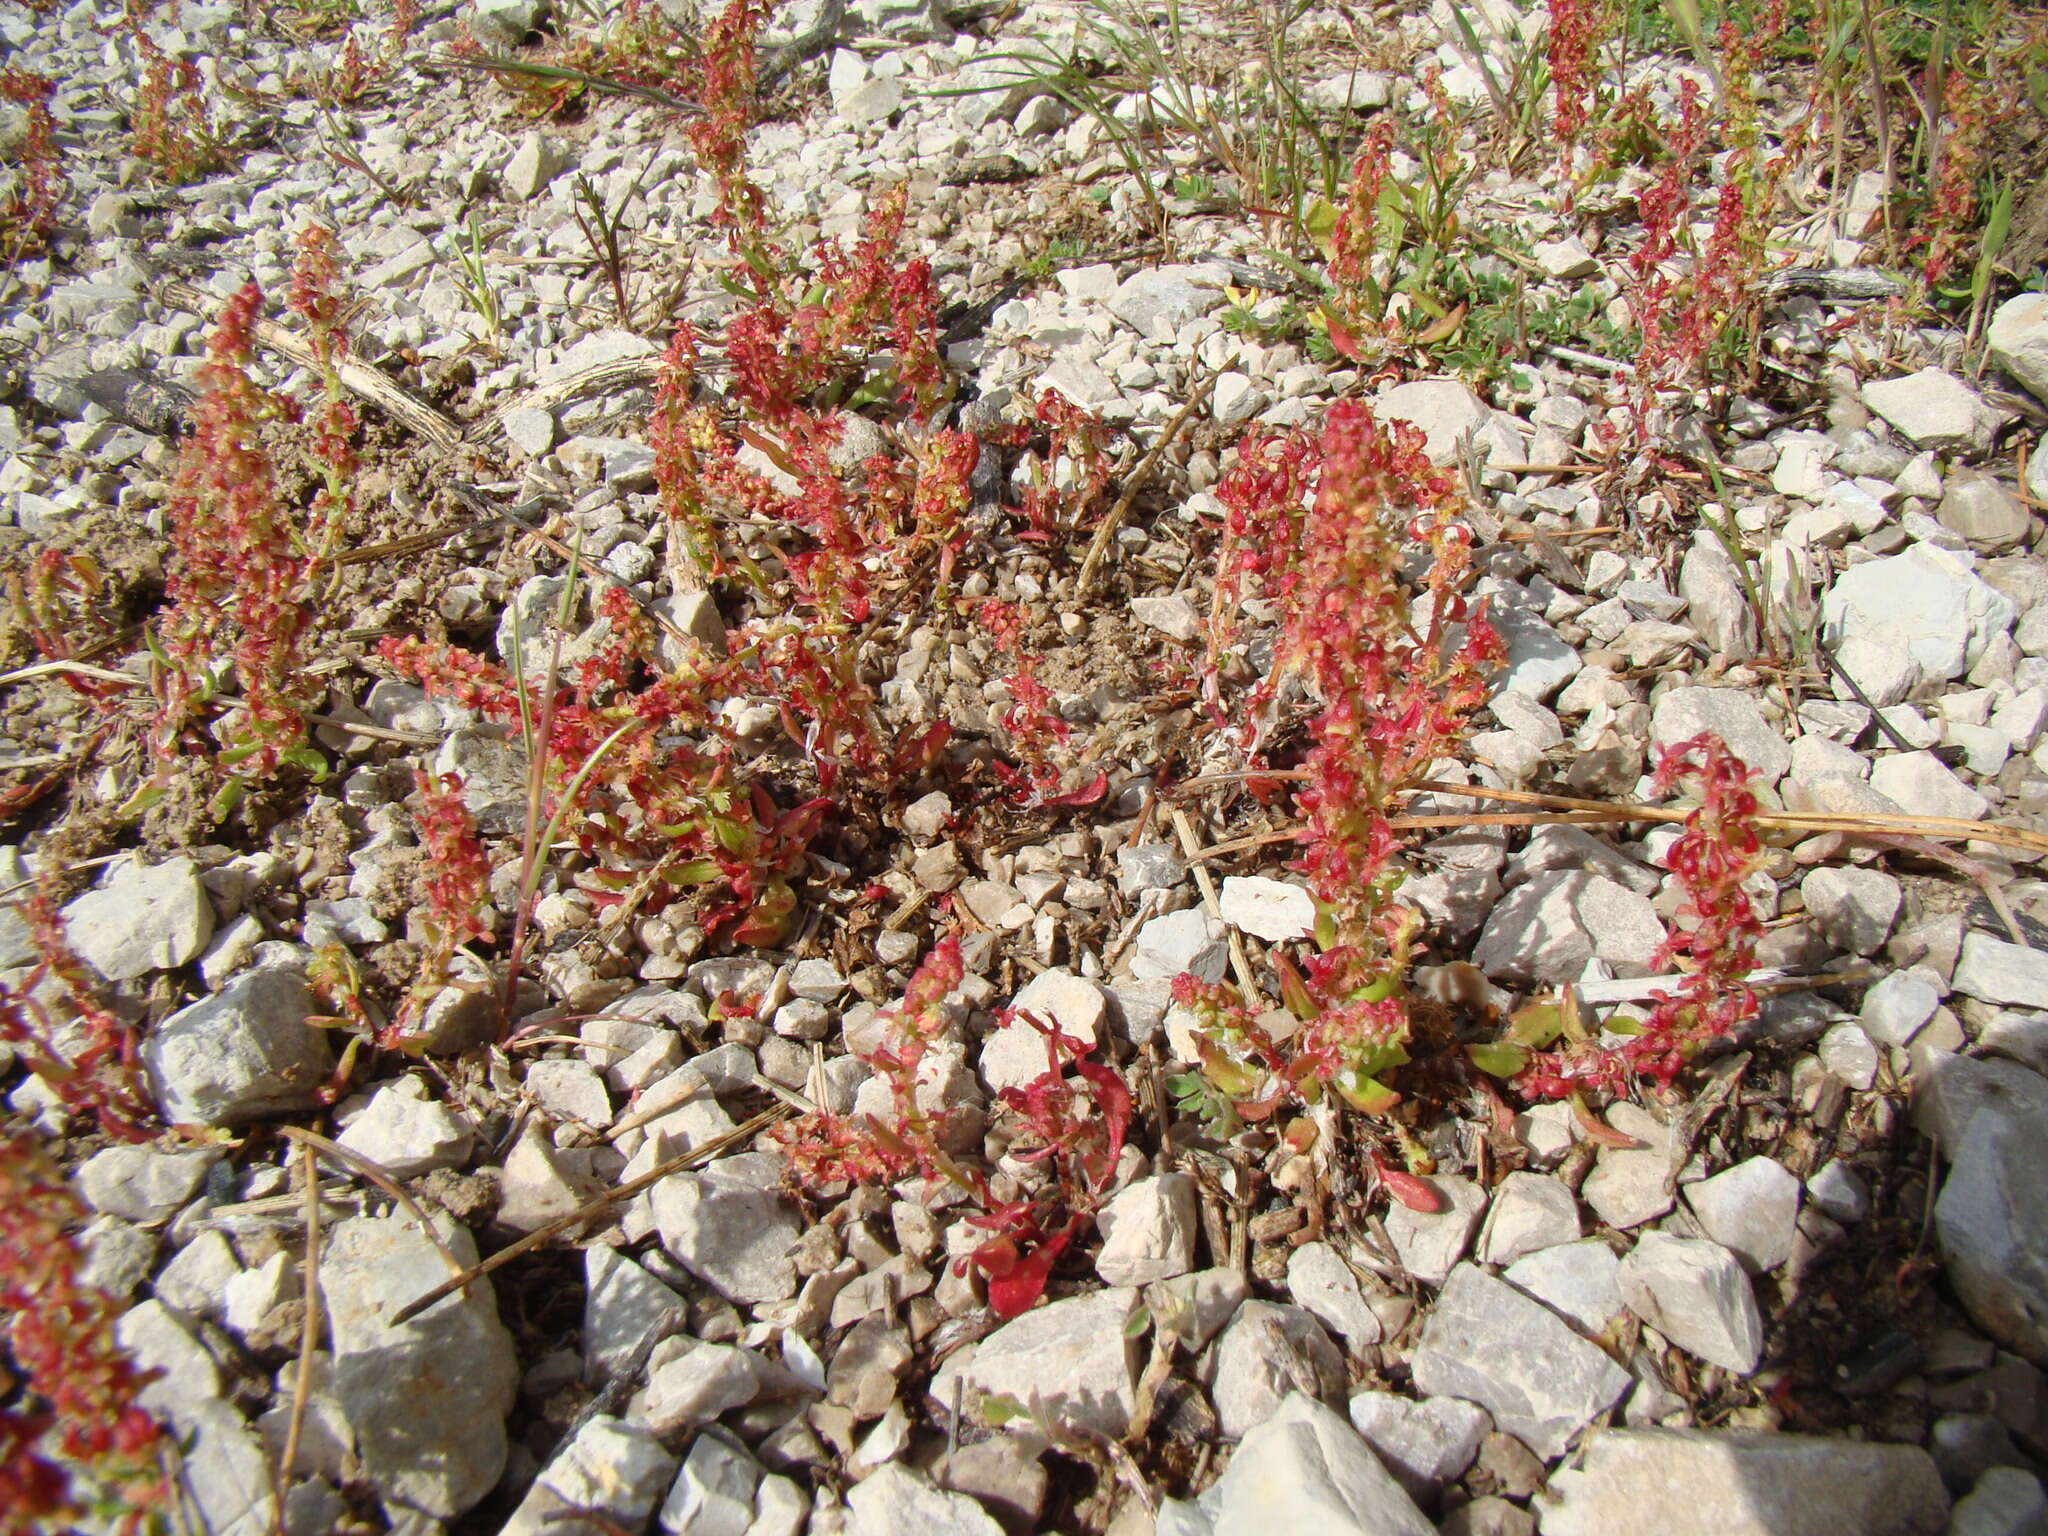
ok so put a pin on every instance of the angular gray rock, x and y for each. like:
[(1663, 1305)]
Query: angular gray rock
[(1991, 1219), (1994, 971), (1546, 930), (2006, 1501), (1529, 1212), (245, 1052), (406, 1133), (147, 917), (1694, 1293), (1735, 717), (1305, 1469), (1929, 600), (142, 1184), (625, 1310), (1932, 409), (610, 1466), (1696, 1482), (1424, 1444), (1268, 1351), (2017, 340), (1072, 1356), (895, 1501), (1148, 1231), (1490, 1344), (1752, 1210), (1322, 1283), (731, 1226), (1430, 1243), (427, 1397), (1631, 1185), (1576, 1280)]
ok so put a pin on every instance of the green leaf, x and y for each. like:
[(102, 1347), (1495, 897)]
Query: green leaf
[(1136, 1324), (1536, 1025), (1499, 1058)]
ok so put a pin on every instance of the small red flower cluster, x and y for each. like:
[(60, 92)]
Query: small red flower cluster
[(1072, 1126), (76, 1443)]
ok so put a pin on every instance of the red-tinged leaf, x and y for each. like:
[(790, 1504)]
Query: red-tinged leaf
[(1442, 329), (1417, 1194), (1598, 1130), (1013, 1294), (1087, 795), (1344, 340), (1252, 1111), (1113, 1098)]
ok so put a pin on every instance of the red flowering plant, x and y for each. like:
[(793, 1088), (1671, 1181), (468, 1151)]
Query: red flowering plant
[(1046, 773), (28, 209), (239, 570), (1068, 1123), (1396, 673), (66, 1035), (1713, 943), (75, 1445), (174, 129), (245, 564), (635, 774)]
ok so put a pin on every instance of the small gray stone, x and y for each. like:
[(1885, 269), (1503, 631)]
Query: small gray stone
[(1148, 1231), (1846, 1051), (141, 1184), (1424, 1444), (1992, 1222), (1431, 1243), (1899, 1006), (147, 917), (1323, 1284), (1529, 1212), (245, 1052), (537, 161), (1071, 1355), (1994, 971), (1929, 600), (406, 1133), (625, 1311), (1932, 409), (1984, 512), (1490, 1344), (1696, 1295), (2017, 340), (731, 1226), (1698, 1482), (1546, 930), (1303, 1468), (531, 431), (1630, 1185), (611, 1467), (1172, 295), (1855, 908), (1191, 940), (1172, 615), (689, 1383), (1576, 1280), (1149, 867), (714, 1490), (1838, 1192), (1752, 1210), (1737, 718), (1923, 781), (2006, 1501), (1269, 1351), (1273, 910), (895, 1501), (427, 1397)]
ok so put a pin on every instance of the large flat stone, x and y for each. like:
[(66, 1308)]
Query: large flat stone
[(1696, 1482)]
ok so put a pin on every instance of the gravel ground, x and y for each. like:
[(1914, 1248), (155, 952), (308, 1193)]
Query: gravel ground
[(1802, 1289)]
